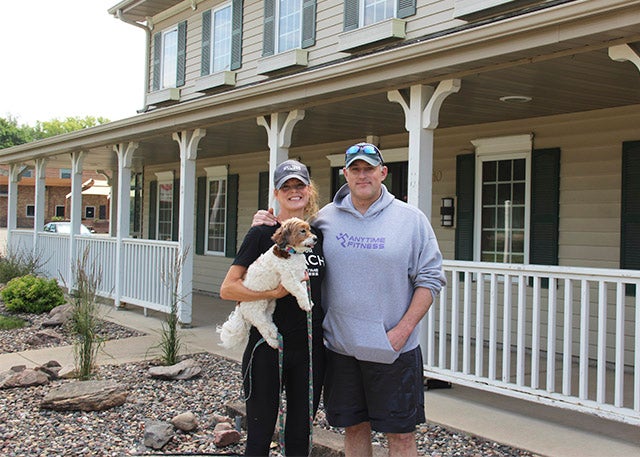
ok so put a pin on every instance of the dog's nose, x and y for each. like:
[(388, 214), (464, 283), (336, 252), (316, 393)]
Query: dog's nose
[(314, 238)]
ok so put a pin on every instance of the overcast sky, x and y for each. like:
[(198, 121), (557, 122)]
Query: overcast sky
[(64, 58)]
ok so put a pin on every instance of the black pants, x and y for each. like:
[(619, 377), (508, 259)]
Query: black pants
[(262, 390)]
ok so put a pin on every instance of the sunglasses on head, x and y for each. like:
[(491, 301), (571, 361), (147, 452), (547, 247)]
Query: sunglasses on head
[(364, 147)]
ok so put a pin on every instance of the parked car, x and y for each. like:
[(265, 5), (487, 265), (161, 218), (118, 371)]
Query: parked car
[(65, 227)]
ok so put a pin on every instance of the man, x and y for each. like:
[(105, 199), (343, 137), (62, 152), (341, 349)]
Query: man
[(384, 268)]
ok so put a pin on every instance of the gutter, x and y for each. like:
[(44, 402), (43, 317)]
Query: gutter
[(147, 30)]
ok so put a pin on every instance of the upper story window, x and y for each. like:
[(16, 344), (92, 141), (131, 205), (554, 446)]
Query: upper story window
[(360, 13), (169, 62), (169, 57), (222, 38), (65, 173), (288, 24), (377, 10), (289, 14)]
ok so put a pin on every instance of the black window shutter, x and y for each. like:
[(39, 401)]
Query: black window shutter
[(157, 57), (201, 214), (153, 203), (236, 34), (175, 217), (232, 216), (205, 57), (351, 13), (263, 190), (545, 206), (268, 36), (630, 206), (465, 202), (182, 53), (406, 8), (308, 23)]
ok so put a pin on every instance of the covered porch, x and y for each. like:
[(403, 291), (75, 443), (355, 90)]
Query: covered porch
[(566, 336)]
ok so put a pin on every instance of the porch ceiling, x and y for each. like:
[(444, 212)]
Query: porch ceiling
[(567, 84)]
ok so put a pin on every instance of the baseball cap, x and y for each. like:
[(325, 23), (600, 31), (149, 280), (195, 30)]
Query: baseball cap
[(363, 151), (290, 169)]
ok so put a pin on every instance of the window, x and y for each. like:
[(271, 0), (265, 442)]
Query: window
[(169, 57), (165, 211), (360, 13), (221, 39), (288, 25), (503, 171), (65, 173), (89, 212), (377, 10), (102, 212), (216, 209), (60, 211), (31, 210), (135, 205), (26, 174)]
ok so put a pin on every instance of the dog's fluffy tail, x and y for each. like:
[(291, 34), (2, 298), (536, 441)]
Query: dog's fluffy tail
[(235, 331)]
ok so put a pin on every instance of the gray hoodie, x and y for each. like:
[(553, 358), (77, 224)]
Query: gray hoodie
[(374, 263)]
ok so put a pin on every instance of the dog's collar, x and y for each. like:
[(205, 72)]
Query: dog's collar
[(290, 250)]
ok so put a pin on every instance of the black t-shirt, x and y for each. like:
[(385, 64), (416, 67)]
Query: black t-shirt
[(288, 317)]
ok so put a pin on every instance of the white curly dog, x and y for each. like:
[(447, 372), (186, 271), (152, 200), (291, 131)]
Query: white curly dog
[(283, 263)]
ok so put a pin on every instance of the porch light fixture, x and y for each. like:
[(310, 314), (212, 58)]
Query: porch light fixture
[(515, 99), (447, 210)]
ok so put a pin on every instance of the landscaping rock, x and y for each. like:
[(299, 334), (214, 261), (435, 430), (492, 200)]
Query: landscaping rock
[(85, 396)]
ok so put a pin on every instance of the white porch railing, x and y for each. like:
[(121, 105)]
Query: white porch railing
[(564, 336), (146, 264)]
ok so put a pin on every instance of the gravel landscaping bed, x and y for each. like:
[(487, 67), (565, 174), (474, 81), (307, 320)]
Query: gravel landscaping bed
[(28, 430), (17, 340)]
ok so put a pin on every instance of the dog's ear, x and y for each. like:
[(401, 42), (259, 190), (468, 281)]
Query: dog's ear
[(281, 237)]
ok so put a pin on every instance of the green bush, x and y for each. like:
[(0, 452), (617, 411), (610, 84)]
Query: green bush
[(30, 294)]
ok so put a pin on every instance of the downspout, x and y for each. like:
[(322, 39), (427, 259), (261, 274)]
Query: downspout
[(147, 30)]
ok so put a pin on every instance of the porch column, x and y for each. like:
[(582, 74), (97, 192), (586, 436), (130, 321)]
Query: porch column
[(38, 217), (12, 201), (77, 158), (124, 151), (188, 141), (279, 129), (421, 119)]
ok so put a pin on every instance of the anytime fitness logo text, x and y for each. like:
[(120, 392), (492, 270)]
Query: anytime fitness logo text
[(360, 242)]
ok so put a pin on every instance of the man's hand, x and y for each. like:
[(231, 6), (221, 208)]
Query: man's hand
[(263, 217), (397, 338)]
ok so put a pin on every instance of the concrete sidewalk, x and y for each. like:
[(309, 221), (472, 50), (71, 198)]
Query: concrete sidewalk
[(540, 429)]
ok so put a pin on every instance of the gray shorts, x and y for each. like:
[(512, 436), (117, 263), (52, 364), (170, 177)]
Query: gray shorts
[(389, 396)]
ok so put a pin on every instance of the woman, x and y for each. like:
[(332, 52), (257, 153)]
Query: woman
[(297, 197)]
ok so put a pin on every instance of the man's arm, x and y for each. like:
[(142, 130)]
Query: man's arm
[(420, 304), (263, 217)]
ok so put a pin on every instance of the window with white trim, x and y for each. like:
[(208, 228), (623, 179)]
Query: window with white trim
[(89, 212), (60, 211), (503, 187), (372, 11), (216, 209), (65, 173), (221, 27), (288, 24), (169, 59), (164, 227), (31, 211)]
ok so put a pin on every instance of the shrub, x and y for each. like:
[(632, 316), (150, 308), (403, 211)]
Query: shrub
[(18, 263), (30, 294)]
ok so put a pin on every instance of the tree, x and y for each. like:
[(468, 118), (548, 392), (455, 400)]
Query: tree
[(12, 134), (46, 129)]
